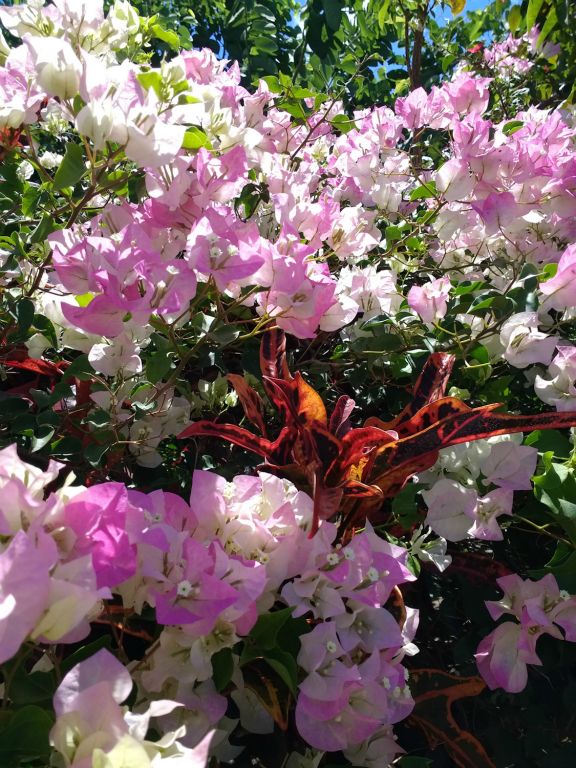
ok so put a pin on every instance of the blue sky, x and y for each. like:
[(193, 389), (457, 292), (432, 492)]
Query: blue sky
[(471, 5), (476, 5)]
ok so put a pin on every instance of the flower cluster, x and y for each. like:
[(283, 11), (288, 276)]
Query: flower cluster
[(499, 465), (44, 543), (540, 608), (209, 570)]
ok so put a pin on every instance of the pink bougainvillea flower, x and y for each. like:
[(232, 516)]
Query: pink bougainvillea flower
[(25, 567), (502, 661), (540, 608), (430, 300), (97, 516), (560, 290)]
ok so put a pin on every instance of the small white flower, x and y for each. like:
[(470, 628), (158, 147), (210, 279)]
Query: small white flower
[(50, 160), (184, 588), (25, 170)]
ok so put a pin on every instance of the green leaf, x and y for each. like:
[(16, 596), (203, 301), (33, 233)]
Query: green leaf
[(549, 24), (44, 326), (195, 138), (550, 440), (514, 18), (342, 123), (32, 687), (332, 13), (512, 127), (247, 202), (273, 83), (285, 667), (264, 45), (12, 406), (447, 61), (562, 565), (222, 668), (294, 108), (166, 35), (84, 653), (98, 418), (83, 299), (79, 368), (303, 93), (405, 506), (265, 632), (72, 167), (424, 191), (30, 201), (25, 314), (66, 446), (548, 272), (157, 366), (25, 736), (349, 64), (152, 80), (41, 438), (93, 453), (45, 226), (383, 14), (383, 342), (500, 305), (532, 13), (225, 334), (203, 322), (556, 489), (392, 234)]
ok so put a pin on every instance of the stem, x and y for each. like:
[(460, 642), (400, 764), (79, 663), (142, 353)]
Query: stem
[(543, 529)]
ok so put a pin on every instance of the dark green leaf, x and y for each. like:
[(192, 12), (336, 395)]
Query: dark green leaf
[(562, 565), (157, 366), (84, 652), (222, 668), (46, 226), (93, 453), (32, 687), (25, 736), (556, 489), (25, 313), (72, 167), (333, 13), (79, 368), (405, 506), (266, 629), (44, 326), (41, 438)]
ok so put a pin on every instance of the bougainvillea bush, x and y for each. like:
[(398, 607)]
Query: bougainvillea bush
[(286, 471)]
